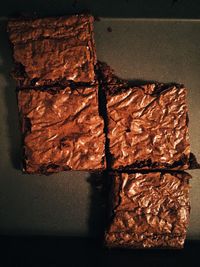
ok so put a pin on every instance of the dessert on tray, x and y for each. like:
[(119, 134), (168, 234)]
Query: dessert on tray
[(76, 114)]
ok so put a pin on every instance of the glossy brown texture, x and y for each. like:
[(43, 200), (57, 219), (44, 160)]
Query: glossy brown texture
[(53, 50), (62, 130), (147, 127), (149, 210)]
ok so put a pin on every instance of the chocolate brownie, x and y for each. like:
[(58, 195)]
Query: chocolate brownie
[(53, 51), (149, 210), (62, 129), (148, 126)]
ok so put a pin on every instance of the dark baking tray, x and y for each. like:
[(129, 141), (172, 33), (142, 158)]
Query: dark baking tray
[(72, 203), (69, 203)]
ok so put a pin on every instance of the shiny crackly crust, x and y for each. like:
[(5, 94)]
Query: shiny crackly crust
[(149, 210), (53, 50), (62, 130), (147, 127)]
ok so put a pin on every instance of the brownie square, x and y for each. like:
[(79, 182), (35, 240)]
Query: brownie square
[(147, 126), (62, 129), (149, 210), (53, 51)]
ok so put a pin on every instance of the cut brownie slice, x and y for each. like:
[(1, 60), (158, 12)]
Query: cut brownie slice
[(62, 130), (148, 126), (149, 210), (53, 50)]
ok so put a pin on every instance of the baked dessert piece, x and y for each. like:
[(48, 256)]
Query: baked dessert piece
[(148, 126), (53, 51), (149, 210), (62, 129)]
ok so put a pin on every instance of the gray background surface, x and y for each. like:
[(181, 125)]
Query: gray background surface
[(163, 50)]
